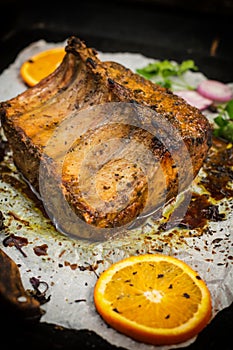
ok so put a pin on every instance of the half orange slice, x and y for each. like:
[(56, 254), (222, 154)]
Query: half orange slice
[(155, 299), (41, 65)]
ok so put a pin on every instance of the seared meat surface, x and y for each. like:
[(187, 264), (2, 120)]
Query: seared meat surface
[(104, 140)]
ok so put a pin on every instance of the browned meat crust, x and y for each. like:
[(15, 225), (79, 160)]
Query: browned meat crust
[(111, 188)]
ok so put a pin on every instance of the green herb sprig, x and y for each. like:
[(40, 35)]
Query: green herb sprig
[(224, 122), (162, 71)]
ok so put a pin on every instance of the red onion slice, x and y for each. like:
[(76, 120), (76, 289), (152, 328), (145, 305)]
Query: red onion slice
[(215, 90)]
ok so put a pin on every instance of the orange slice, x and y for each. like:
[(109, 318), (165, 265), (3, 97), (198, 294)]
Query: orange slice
[(41, 65), (155, 299)]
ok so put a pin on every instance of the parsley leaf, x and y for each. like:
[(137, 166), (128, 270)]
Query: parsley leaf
[(187, 65), (229, 109), (162, 71), (224, 122)]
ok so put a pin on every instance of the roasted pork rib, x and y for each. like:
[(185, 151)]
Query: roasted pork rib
[(136, 145)]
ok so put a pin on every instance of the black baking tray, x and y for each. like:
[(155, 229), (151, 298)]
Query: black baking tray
[(147, 27)]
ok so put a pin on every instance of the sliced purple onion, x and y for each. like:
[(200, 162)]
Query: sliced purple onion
[(215, 90)]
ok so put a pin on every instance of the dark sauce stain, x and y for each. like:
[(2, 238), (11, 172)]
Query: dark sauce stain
[(13, 239), (218, 167), (219, 173), (16, 241), (72, 266), (200, 211), (17, 218), (4, 170), (204, 207), (41, 250), (37, 293)]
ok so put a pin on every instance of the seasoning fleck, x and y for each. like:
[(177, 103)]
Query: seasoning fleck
[(115, 309), (186, 295)]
